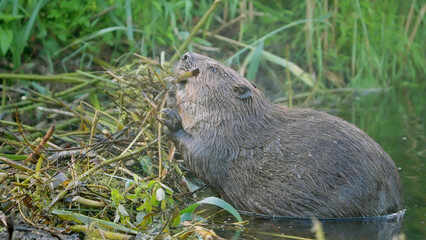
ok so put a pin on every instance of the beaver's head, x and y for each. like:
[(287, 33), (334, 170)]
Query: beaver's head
[(214, 78), (220, 106)]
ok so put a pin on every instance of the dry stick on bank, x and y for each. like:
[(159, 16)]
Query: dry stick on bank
[(34, 155), (89, 119), (94, 170), (36, 150)]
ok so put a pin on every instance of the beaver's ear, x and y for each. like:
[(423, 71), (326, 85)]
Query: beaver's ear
[(242, 91)]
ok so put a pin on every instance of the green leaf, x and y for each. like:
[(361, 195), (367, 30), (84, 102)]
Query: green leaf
[(151, 184), (214, 201), (13, 157), (202, 41), (175, 219), (153, 200), (305, 77), (143, 206), (138, 190), (148, 207), (254, 62), (29, 24), (5, 40), (146, 164), (122, 210), (189, 217), (190, 209), (10, 17), (188, 8), (116, 196), (93, 97), (296, 70), (131, 197), (163, 205), (170, 200), (168, 189), (129, 183), (140, 216), (157, 6)]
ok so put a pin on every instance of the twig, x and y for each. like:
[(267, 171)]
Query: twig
[(135, 139), (158, 77), (88, 202), (34, 155), (16, 165), (107, 234), (160, 158), (23, 136), (43, 78), (164, 226)]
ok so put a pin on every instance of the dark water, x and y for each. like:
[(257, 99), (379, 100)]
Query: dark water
[(396, 121), (354, 229)]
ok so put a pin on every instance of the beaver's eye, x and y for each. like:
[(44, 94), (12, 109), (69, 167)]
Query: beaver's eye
[(213, 69)]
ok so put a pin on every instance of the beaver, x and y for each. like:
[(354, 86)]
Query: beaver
[(274, 160)]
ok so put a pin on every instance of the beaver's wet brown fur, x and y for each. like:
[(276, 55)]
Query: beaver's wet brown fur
[(274, 160)]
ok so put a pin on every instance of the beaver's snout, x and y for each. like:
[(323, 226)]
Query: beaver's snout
[(185, 57), (188, 57), (187, 62)]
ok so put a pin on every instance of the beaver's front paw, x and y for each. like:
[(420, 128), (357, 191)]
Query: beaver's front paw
[(172, 119)]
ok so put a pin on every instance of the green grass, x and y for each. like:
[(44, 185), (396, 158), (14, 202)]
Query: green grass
[(353, 44)]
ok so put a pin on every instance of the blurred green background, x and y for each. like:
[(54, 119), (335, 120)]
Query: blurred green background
[(341, 44)]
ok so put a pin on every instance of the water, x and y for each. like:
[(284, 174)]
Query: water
[(276, 228), (396, 122)]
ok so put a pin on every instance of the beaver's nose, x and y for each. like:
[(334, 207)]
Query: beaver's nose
[(187, 57)]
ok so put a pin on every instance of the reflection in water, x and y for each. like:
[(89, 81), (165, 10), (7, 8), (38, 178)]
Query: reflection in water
[(373, 228), (381, 228)]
